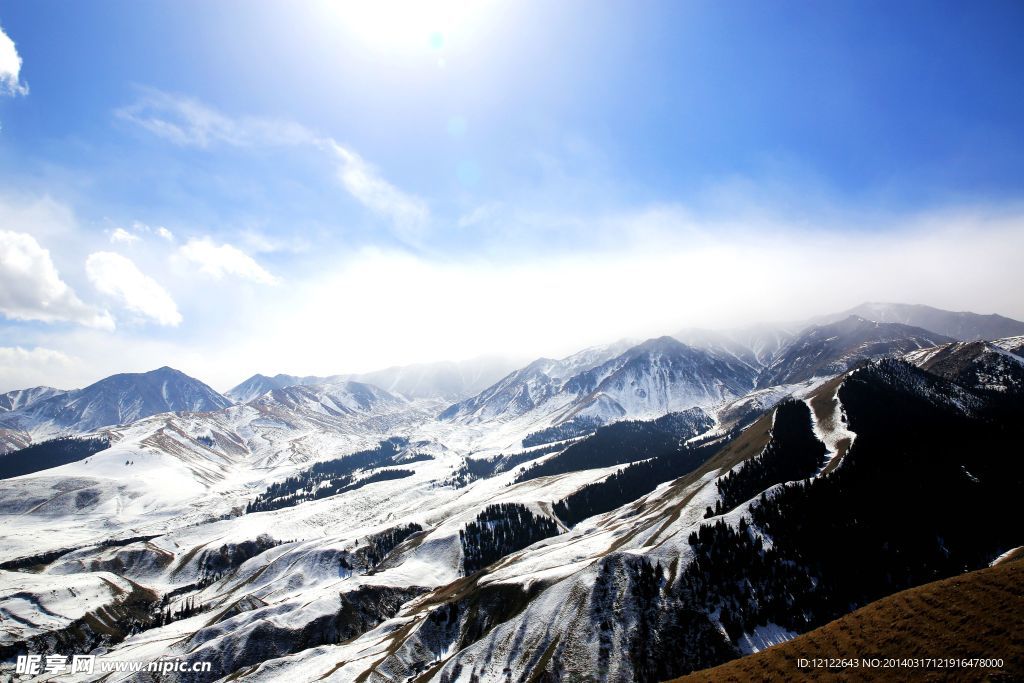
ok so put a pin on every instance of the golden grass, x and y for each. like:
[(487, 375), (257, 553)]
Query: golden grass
[(975, 615)]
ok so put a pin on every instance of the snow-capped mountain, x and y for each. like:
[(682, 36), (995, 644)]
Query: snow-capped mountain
[(658, 376), (824, 350), (652, 378), (334, 398), (960, 325), (258, 384), (118, 399)]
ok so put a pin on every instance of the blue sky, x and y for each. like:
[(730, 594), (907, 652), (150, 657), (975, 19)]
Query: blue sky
[(232, 187)]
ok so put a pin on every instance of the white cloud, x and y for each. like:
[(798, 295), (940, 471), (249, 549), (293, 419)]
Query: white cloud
[(119, 278), (32, 289), (21, 368), (188, 122), (122, 235), (10, 68), (140, 227), (409, 214), (263, 243), (220, 260), (710, 275)]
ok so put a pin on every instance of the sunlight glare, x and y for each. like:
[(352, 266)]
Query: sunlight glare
[(408, 25)]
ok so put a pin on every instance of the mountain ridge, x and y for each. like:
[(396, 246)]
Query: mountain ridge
[(117, 399)]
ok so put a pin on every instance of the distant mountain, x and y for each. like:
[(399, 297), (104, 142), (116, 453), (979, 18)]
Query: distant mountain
[(652, 378), (824, 350), (257, 385), (118, 399), (337, 398), (23, 398), (960, 325), (451, 380)]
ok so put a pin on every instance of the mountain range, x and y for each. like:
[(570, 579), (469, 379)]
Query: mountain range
[(634, 511), (960, 325)]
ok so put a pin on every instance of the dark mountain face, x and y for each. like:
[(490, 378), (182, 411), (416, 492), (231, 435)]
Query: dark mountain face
[(928, 489), (960, 325), (120, 399), (831, 349)]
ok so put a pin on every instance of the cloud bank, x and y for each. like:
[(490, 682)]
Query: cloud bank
[(21, 368), (32, 289)]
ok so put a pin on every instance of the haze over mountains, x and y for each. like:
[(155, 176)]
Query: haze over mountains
[(447, 379), (471, 521)]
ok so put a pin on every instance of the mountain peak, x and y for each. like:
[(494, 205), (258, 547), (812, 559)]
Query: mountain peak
[(833, 347), (117, 399), (664, 343)]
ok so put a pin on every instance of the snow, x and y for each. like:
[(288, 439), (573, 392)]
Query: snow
[(1005, 556), (832, 430), (1013, 344), (31, 604), (764, 637)]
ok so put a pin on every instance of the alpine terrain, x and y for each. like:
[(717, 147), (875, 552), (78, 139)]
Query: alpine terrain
[(637, 511)]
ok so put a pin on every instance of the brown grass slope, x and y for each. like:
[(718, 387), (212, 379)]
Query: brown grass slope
[(978, 614)]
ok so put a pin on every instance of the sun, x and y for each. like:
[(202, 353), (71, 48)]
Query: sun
[(407, 25)]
